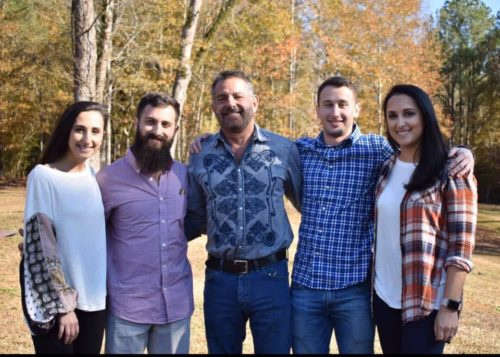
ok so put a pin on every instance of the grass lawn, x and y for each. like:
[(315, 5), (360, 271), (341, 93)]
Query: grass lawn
[(479, 330)]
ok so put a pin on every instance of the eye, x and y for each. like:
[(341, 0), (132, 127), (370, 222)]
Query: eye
[(96, 130)]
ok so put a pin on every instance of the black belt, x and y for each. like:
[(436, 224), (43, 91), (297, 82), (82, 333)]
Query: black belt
[(240, 266)]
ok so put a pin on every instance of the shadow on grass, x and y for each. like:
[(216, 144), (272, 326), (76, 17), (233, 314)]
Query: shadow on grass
[(6, 184)]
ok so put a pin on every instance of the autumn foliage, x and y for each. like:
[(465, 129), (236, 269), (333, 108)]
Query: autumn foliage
[(287, 46)]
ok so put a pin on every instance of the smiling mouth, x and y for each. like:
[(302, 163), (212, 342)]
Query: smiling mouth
[(232, 114)]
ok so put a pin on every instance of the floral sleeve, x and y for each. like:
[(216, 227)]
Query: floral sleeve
[(46, 292)]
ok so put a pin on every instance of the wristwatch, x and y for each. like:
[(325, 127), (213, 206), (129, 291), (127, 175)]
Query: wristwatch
[(455, 305)]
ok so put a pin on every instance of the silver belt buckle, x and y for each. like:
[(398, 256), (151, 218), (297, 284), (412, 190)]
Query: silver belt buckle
[(245, 262)]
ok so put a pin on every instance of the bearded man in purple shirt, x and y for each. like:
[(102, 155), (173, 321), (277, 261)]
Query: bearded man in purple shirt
[(150, 283)]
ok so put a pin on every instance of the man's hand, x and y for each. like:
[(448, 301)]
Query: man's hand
[(68, 327), (461, 163), (195, 146)]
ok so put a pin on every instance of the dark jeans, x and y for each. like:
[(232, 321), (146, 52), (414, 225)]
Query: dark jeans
[(415, 337), (89, 338), (261, 296)]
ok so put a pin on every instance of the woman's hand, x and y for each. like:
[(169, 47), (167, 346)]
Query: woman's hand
[(446, 324), (68, 327)]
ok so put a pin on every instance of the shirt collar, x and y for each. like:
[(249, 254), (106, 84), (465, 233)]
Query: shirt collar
[(258, 134), (351, 139), (129, 156)]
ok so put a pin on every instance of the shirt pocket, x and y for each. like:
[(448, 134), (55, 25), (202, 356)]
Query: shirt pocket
[(176, 207), (426, 207), (430, 196)]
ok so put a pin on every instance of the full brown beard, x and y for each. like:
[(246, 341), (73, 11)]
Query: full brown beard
[(151, 159)]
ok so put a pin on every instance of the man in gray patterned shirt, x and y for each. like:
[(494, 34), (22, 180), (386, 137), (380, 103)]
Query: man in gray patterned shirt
[(237, 183)]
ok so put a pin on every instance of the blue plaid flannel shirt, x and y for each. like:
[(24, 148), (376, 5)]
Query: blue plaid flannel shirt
[(336, 233)]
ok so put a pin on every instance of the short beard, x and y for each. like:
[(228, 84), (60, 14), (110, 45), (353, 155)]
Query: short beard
[(151, 159), (246, 117)]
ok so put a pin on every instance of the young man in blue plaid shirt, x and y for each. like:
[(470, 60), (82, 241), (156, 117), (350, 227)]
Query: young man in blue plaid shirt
[(330, 280)]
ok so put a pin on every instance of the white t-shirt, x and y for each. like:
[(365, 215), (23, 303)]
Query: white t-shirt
[(72, 200), (388, 259)]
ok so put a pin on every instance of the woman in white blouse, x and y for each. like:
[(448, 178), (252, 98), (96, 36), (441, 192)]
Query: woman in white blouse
[(63, 271)]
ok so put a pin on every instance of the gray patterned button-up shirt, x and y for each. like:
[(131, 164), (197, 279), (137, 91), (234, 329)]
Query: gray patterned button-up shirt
[(240, 206)]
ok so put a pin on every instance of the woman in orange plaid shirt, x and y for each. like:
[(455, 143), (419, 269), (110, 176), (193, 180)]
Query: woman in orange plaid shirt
[(426, 221)]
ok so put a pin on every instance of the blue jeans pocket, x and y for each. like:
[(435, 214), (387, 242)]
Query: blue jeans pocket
[(276, 271)]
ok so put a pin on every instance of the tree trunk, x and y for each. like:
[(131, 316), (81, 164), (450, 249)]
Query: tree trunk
[(104, 88), (108, 131), (183, 76), (85, 49), (85, 56), (106, 50), (199, 106)]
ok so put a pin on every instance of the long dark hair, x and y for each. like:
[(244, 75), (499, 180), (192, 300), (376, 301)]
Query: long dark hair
[(433, 149), (58, 141)]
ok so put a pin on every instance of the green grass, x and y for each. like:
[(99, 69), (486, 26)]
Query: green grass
[(489, 217)]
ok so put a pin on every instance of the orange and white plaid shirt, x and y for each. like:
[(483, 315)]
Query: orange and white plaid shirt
[(437, 230)]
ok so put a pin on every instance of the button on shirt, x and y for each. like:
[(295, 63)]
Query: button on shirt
[(336, 232), (149, 275), (240, 206)]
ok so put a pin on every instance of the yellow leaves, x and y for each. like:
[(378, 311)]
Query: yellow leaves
[(378, 43)]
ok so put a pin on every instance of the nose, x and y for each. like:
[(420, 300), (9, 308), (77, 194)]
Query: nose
[(400, 121), (231, 101), (335, 111), (157, 129), (87, 137)]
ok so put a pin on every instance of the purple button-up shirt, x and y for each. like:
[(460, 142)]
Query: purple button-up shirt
[(149, 276)]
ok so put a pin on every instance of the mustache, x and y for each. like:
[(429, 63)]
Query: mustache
[(231, 110), (156, 137)]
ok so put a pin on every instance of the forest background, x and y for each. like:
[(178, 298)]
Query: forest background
[(53, 52)]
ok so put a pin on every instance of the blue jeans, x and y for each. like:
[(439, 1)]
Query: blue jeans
[(316, 313), (416, 337), (261, 296), (128, 337)]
